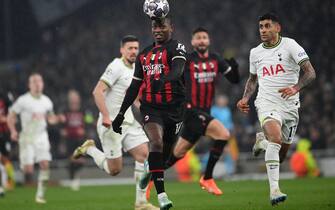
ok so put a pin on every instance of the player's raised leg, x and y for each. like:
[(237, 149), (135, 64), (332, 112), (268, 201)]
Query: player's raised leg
[(217, 132), (111, 166), (272, 129)]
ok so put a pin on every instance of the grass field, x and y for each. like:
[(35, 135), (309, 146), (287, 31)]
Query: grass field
[(303, 194)]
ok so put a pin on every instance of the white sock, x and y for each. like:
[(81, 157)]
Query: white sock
[(99, 158), (75, 185), (3, 175), (272, 164), (161, 195), (43, 178), (140, 193)]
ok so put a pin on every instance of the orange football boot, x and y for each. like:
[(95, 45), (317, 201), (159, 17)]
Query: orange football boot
[(210, 186)]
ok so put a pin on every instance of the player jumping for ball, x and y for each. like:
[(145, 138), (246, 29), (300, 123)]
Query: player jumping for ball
[(159, 67)]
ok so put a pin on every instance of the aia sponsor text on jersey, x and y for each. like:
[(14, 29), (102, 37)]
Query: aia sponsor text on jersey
[(273, 70)]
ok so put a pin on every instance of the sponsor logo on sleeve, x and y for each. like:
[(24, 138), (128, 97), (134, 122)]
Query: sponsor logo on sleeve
[(181, 48)]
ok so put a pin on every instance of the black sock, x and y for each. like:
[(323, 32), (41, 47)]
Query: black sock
[(171, 161), (28, 178), (156, 167), (214, 155)]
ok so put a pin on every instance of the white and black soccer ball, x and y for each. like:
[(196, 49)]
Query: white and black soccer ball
[(156, 8)]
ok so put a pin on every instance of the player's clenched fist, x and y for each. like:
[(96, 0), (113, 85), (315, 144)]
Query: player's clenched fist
[(243, 105), (106, 122)]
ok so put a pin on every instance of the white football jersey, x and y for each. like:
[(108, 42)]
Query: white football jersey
[(118, 77), (277, 67), (33, 114)]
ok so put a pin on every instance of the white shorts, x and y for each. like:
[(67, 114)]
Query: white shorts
[(288, 119), (113, 143), (34, 150)]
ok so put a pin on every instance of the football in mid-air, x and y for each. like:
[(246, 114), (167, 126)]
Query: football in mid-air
[(156, 8)]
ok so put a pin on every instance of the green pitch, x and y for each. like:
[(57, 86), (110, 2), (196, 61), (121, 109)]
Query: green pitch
[(304, 194)]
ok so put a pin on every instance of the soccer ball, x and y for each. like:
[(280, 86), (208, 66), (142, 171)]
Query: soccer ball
[(156, 8)]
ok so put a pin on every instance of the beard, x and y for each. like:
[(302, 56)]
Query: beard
[(201, 49), (131, 60)]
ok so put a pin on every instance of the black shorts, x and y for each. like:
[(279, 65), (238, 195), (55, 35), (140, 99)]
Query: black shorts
[(5, 144), (171, 121), (194, 124)]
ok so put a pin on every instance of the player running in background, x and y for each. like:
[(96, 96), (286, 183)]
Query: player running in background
[(275, 65), (74, 133), (159, 67), (108, 95), (5, 182), (35, 110), (201, 71)]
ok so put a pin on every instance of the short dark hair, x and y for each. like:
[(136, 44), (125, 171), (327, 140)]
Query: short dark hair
[(269, 16), (199, 29), (161, 20), (128, 38)]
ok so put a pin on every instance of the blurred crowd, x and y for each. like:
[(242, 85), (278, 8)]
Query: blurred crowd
[(74, 52)]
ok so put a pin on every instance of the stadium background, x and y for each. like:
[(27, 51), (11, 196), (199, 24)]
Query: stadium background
[(71, 43)]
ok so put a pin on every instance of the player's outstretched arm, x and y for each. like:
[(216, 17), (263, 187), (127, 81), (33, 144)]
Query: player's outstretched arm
[(130, 96), (308, 76), (250, 88)]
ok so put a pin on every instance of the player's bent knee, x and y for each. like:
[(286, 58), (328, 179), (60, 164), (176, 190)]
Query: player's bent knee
[(225, 134), (141, 157), (179, 153), (114, 171), (216, 130), (274, 139), (28, 170)]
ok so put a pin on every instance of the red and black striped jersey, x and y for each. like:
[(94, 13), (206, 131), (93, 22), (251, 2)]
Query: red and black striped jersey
[(200, 74), (154, 63)]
